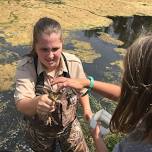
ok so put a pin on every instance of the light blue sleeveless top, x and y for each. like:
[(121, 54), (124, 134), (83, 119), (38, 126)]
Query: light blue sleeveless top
[(133, 143)]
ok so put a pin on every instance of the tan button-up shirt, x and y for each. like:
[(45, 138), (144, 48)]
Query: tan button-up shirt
[(26, 75)]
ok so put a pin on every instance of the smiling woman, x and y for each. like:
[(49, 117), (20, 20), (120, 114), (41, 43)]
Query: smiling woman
[(49, 49), (50, 114)]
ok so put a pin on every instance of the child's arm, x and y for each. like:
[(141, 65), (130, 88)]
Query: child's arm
[(108, 90), (99, 143)]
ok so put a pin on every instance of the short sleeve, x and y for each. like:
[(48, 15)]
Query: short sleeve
[(79, 71), (75, 66), (25, 81)]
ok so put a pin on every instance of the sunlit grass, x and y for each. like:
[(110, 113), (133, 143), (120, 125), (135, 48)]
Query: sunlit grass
[(7, 74), (18, 17), (121, 51), (84, 51), (107, 38)]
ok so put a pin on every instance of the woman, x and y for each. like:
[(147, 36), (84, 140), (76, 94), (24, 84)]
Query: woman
[(50, 115)]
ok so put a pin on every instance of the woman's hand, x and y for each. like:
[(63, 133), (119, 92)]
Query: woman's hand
[(77, 84), (44, 105)]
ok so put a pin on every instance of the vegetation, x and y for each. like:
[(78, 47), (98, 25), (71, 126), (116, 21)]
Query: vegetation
[(110, 139), (16, 22)]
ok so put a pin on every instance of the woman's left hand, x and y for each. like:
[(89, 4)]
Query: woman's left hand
[(88, 114)]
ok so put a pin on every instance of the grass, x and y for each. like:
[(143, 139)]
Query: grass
[(110, 139)]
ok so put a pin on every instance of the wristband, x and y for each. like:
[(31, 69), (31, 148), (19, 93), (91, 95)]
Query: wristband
[(91, 83), (90, 86)]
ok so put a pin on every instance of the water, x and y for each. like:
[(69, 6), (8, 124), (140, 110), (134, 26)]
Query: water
[(125, 29), (99, 65)]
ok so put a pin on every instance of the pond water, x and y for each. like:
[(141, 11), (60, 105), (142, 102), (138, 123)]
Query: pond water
[(125, 29)]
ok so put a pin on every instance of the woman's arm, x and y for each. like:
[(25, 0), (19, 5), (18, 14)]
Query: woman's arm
[(39, 104), (87, 112), (27, 106)]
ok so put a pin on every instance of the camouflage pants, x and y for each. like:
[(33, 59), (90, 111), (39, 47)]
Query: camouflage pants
[(70, 140)]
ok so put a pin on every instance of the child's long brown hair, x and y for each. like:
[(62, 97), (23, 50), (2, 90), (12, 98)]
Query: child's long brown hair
[(135, 102)]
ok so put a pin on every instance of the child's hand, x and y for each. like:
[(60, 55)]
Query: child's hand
[(95, 132), (77, 84)]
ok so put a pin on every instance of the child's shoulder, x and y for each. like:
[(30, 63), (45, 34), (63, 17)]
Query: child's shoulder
[(133, 143)]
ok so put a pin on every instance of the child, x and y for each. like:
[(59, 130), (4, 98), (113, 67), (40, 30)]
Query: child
[(133, 115)]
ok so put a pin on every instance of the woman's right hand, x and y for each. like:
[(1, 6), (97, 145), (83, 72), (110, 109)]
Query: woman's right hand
[(44, 104)]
